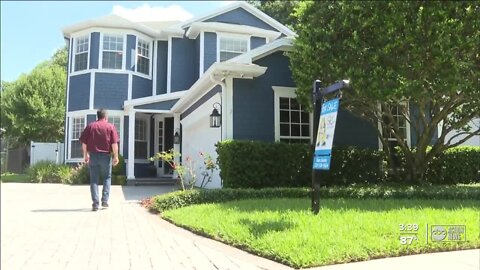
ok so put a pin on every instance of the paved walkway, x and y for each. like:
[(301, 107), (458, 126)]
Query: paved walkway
[(51, 226)]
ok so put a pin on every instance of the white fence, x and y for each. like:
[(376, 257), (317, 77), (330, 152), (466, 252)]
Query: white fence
[(46, 151)]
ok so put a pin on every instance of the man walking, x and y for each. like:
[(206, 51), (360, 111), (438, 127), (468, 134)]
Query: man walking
[(99, 140)]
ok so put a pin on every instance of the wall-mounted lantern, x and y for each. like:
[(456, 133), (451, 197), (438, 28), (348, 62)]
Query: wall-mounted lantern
[(216, 117), (176, 137)]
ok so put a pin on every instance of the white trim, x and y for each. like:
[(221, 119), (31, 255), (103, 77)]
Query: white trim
[(131, 146), (169, 65), (286, 92), (92, 90), (150, 58), (202, 54), (154, 69), (199, 27), (283, 44), (70, 49), (74, 53), (81, 113), (151, 111), (247, 7), (221, 35), (229, 107), (129, 86), (154, 99), (70, 159)]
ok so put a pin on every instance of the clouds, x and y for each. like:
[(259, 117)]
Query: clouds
[(147, 13)]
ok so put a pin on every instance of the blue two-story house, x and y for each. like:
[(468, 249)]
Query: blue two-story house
[(161, 82)]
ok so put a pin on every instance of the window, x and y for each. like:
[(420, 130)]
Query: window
[(231, 47), (141, 144), (115, 120), (397, 113), (294, 121), (81, 53), (78, 124), (112, 54), (143, 57)]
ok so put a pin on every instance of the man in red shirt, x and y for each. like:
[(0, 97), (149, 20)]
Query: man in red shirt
[(99, 141)]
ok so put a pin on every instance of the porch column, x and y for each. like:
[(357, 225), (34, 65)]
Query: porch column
[(131, 145), (176, 147)]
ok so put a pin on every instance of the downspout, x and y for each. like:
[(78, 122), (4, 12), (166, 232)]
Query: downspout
[(223, 110)]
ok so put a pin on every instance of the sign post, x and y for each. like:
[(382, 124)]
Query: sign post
[(325, 114)]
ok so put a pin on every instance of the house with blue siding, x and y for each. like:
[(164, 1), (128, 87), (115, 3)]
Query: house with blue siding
[(161, 79)]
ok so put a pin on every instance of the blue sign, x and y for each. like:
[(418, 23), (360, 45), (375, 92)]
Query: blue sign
[(326, 130)]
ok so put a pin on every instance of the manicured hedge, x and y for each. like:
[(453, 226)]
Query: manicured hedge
[(253, 164), (456, 165), (180, 199)]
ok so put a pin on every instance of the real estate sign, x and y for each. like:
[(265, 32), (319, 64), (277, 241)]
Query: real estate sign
[(326, 129)]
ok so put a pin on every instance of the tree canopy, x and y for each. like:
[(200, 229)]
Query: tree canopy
[(425, 54), (33, 106)]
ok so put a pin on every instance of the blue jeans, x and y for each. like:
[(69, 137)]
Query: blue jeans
[(100, 165)]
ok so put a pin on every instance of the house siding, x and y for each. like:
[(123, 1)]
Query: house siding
[(209, 49), (162, 62), (163, 105), (91, 118), (131, 46), (79, 92), (242, 17), (141, 87), (201, 101), (94, 49), (256, 42), (111, 90), (184, 71)]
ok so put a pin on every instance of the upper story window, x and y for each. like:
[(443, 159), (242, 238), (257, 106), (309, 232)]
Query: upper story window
[(112, 52), (143, 57), (231, 47), (81, 53)]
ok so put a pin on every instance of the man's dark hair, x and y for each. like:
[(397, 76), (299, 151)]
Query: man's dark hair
[(101, 113)]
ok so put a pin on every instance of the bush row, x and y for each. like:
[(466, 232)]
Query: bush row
[(253, 164), (180, 199), (49, 172)]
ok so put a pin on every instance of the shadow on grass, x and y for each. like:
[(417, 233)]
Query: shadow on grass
[(361, 205), (258, 229)]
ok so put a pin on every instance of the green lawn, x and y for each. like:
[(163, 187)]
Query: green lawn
[(15, 178), (345, 230)]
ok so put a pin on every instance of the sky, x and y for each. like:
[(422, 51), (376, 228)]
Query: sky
[(31, 31)]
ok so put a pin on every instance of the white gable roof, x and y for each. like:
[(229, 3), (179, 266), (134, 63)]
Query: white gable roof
[(283, 44), (249, 8)]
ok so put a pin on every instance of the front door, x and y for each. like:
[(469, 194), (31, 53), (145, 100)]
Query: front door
[(164, 142)]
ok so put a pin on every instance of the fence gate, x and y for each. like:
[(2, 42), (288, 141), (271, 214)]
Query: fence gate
[(46, 151)]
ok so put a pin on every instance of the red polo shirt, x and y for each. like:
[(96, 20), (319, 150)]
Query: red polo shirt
[(99, 136)]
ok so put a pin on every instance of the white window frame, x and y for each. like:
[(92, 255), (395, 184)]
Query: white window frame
[(75, 53), (407, 129), (71, 120), (137, 55), (231, 36), (124, 50), (145, 118), (286, 92), (120, 115)]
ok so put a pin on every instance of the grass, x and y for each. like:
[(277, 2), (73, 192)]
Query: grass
[(15, 178), (345, 230)]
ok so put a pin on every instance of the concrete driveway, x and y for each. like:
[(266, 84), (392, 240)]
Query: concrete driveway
[(51, 226)]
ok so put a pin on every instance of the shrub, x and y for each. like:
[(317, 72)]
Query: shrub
[(80, 174), (180, 199), (120, 168), (49, 172), (249, 164), (456, 165)]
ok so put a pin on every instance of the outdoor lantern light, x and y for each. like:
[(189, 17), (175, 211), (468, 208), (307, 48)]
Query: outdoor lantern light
[(216, 117), (176, 137)]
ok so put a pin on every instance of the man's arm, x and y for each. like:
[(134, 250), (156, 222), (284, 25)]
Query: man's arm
[(115, 154), (86, 157)]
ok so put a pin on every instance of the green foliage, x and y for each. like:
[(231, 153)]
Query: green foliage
[(80, 174), (14, 178), (49, 172), (33, 106), (120, 168), (345, 230), (180, 199), (454, 166), (249, 164), (422, 53)]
